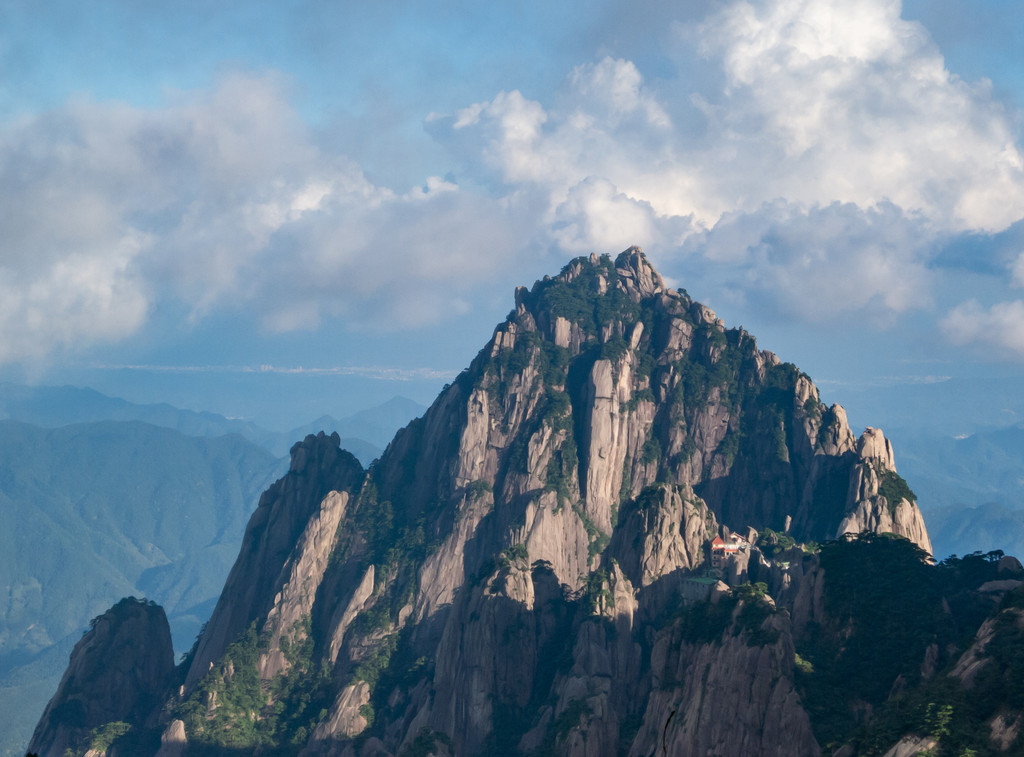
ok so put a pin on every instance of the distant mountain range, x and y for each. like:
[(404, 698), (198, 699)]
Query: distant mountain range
[(987, 466), (971, 488), (961, 530), (364, 434), (95, 511), (950, 407)]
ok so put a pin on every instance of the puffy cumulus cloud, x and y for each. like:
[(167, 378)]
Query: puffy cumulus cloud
[(999, 327), (838, 100), (821, 264), (606, 124), (821, 157), (594, 216), (822, 101), (220, 199)]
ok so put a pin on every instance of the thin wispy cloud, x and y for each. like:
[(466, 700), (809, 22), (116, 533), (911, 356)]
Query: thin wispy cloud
[(376, 372)]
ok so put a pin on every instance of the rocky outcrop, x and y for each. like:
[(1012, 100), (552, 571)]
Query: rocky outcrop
[(593, 697), (879, 500), (910, 746), (725, 695), (173, 741), (347, 717), (118, 672), (490, 658), (663, 531), (305, 568), (271, 546), (975, 659)]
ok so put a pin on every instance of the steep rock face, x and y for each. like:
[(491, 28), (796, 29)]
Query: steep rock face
[(118, 672), (269, 547), (727, 698), (489, 660), (305, 570), (346, 718), (173, 741), (661, 532), (610, 432), (878, 499), (594, 696)]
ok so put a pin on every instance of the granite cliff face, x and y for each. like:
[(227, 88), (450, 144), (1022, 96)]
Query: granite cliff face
[(882, 503), (283, 557), (530, 566)]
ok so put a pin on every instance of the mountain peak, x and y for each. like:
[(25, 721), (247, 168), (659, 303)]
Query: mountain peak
[(633, 266), (608, 460), (631, 272)]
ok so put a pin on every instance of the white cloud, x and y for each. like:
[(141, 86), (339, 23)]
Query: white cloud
[(820, 166), (837, 100), (607, 125), (613, 91), (380, 372), (822, 264), (85, 295), (400, 263), (221, 200), (999, 328), (824, 101), (596, 217), (814, 163), (1017, 271)]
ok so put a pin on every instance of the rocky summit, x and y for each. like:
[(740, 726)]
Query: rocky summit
[(623, 530)]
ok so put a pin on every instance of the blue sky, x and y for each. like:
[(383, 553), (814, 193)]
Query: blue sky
[(282, 209)]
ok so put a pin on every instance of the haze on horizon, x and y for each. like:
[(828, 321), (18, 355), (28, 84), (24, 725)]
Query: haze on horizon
[(321, 205)]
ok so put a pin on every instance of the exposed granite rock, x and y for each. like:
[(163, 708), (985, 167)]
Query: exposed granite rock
[(173, 741), (664, 531), (608, 431), (118, 671), (725, 697), (359, 601), (489, 657), (346, 718), (305, 568), (1004, 729), (910, 746), (594, 694), (262, 570), (867, 508), (975, 658), (1010, 564)]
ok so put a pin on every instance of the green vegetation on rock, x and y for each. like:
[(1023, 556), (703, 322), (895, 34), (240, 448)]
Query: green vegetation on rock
[(892, 486), (101, 738), (887, 604)]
